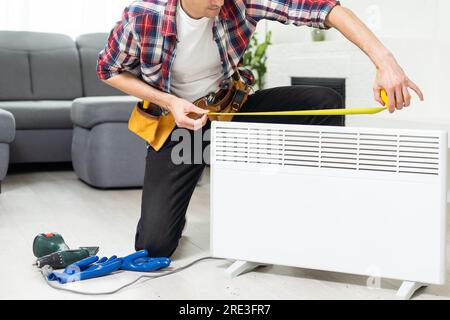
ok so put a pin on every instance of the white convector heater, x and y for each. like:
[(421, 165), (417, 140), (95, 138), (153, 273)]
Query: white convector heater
[(353, 200)]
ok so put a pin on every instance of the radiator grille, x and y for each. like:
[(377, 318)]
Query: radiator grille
[(363, 151)]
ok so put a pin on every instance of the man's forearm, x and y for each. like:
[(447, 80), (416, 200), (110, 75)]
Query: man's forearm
[(130, 84), (346, 22)]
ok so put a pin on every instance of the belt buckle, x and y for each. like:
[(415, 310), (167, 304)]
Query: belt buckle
[(210, 98), (237, 100)]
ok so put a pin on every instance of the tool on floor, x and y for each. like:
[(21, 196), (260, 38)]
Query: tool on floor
[(141, 262), (62, 259), (46, 271), (47, 243), (93, 267), (81, 264), (50, 249), (324, 112)]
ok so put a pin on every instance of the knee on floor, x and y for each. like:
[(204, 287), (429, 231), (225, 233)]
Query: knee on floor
[(158, 247), (331, 98)]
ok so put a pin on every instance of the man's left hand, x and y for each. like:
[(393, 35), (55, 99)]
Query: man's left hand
[(392, 78)]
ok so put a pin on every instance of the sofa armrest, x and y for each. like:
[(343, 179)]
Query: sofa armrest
[(7, 126), (91, 111)]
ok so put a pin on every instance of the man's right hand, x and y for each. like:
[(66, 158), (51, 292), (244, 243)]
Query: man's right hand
[(187, 115), (180, 108)]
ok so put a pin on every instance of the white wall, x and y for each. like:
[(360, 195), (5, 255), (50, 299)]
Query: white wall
[(387, 18), (72, 17), (416, 31)]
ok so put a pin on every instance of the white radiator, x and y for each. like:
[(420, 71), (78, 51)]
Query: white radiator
[(353, 200)]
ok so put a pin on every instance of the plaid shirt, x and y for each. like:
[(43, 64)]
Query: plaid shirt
[(144, 42)]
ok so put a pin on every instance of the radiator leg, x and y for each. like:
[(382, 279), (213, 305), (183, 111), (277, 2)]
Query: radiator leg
[(408, 288), (240, 267)]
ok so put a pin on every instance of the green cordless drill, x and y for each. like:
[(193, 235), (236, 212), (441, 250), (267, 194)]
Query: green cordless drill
[(51, 250)]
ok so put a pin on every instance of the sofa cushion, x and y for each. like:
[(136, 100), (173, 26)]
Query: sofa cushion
[(89, 112), (89, 46), (7, 127), (38, 66), (44, 114), (41, 146)]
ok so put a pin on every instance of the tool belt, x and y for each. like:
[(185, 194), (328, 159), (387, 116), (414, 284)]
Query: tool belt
[(149, 122)]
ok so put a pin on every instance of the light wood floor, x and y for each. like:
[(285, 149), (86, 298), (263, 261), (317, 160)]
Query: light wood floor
[(35, 202)]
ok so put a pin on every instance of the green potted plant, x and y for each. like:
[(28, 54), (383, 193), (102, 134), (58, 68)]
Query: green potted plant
[(255, 58), (318, 35)]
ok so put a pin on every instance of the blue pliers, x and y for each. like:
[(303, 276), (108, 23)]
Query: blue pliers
[(141, 262), (93, 267)]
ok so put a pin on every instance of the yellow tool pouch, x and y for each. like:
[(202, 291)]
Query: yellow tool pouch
[(155, 129), (148, 123)]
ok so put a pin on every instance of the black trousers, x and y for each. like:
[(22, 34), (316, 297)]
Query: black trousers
[(168, 186)]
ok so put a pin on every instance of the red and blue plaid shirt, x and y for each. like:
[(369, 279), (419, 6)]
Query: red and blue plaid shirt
[(144, 42)]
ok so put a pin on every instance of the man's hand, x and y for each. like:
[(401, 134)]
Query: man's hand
[(187, 115), (392, 78), (180, 108)]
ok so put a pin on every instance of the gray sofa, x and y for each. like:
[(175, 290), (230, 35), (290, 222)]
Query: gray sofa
[(40, 79), (105, 154), (7, 132), (42, 74)]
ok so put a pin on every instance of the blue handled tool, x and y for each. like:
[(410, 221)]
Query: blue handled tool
[(93, 267), (141, 262), (88, 268)]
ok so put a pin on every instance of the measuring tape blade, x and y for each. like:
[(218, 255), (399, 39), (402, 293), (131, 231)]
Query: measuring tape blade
[(325, 112)]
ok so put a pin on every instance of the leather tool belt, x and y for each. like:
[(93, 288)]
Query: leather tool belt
[(226, 100), (152, 124)]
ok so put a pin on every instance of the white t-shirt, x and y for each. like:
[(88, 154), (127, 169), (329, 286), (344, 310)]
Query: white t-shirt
[(197, 69)]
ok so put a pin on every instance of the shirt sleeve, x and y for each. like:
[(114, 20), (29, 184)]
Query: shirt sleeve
[(122, 51), (310, 13)]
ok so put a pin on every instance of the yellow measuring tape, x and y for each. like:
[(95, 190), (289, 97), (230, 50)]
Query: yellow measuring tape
[(325, 112)]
